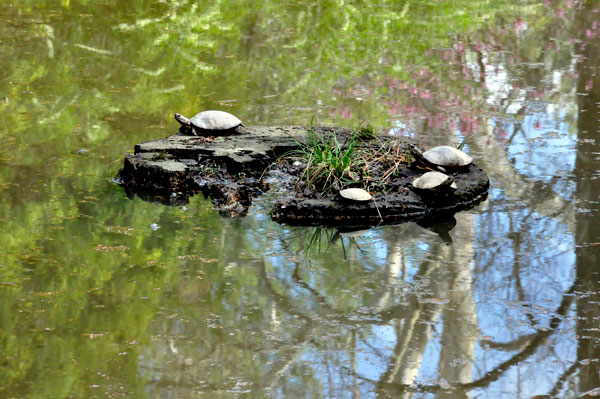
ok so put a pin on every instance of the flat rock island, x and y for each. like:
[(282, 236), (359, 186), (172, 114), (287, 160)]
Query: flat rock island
[(305, 169)]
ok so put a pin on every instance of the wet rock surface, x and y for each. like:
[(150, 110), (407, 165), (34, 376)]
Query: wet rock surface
[(233, 169)]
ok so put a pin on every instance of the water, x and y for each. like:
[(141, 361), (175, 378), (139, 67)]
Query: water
[(103, 296)]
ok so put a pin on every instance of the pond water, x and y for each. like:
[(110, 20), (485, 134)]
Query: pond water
[(107, 296)]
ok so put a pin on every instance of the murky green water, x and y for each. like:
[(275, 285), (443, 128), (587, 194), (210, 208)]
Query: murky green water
[(95, 303)]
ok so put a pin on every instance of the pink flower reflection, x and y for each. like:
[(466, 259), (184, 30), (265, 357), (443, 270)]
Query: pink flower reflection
[(519, 25), (342, 110)]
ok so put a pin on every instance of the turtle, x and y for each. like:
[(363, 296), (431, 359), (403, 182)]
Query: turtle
[(355, 194), (209, 122), (442, 157), (434, 182)]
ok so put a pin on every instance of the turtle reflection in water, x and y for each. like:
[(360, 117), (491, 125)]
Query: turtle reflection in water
[(440, 226), (208, 122)]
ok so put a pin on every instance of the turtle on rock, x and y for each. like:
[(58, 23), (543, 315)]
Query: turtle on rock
[(355, 194), (442, 157), (208, 123), (434, 182)]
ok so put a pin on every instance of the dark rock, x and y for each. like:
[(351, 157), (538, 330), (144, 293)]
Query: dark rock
[(386, 207), (155, 171), (230, 169)]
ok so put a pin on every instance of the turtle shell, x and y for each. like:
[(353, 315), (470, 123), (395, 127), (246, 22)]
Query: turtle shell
[(433, 181), (215, 120), (355, 194), (445, 155)]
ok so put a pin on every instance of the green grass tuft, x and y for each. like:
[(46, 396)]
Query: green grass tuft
[(366, 131), (328, 161)]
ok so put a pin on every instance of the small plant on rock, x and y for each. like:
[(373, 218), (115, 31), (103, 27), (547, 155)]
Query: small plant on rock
[(328, 161), (366, 131), (161, 156)]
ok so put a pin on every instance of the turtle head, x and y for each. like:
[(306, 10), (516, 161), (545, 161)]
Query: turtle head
[(414, 149), (416, 153), (183, 120)]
